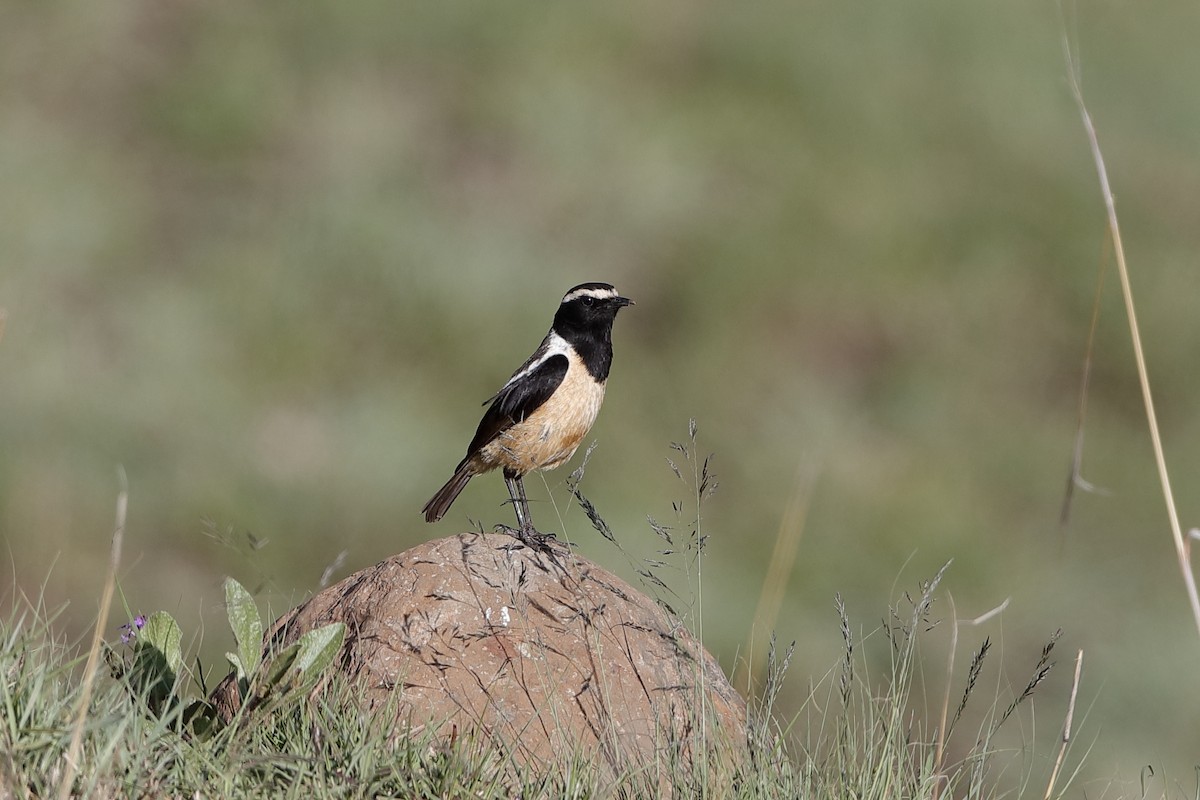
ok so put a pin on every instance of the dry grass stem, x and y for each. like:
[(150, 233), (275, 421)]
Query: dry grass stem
[(1067, 723), (779, 570), (940, 750), (1075, 478), (987, 615), (943, 730), (89, 673), (1181, 546)]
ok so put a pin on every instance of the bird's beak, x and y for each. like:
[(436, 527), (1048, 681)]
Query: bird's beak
[(623, 301)]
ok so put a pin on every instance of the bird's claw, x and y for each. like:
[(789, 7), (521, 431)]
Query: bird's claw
[(531, 537)]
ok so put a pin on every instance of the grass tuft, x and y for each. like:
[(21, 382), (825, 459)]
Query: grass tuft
[(868, 739), (130, 732)]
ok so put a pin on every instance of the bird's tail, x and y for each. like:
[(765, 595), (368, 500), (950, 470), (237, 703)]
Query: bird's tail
[(440, 503)]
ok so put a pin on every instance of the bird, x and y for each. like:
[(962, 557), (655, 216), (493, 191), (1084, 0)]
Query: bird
[(541, 414)]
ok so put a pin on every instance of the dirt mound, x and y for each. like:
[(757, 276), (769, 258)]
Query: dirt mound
[(544, 657)]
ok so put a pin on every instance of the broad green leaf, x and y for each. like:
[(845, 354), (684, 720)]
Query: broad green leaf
[(236, 663), (202, 718), (279, 667), (157, 657), (318, 648), (246, 624), (161, 632)]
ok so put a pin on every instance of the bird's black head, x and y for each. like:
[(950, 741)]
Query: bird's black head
[(585, 319), (589, 306)]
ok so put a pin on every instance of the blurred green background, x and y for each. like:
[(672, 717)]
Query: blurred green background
[(270, 258)]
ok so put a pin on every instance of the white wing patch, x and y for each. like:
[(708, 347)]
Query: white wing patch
[(552, 345), (550, 435)]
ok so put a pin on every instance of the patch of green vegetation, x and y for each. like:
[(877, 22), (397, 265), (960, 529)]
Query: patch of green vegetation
[(857, 736)]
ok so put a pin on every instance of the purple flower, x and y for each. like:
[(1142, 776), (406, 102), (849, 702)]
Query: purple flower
[(129, 629)]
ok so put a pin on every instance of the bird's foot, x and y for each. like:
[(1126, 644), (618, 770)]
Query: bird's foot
[(531, 537)]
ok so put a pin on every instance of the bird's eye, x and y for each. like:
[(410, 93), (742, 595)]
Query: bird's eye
[(588, 301)]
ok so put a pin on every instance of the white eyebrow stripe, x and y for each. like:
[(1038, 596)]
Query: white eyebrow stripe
[(599, 294)]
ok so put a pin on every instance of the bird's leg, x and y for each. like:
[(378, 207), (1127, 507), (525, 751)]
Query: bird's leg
[(524, 531), (516, 493)]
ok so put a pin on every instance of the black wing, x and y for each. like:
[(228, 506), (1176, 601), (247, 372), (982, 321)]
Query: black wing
[(516, 401)]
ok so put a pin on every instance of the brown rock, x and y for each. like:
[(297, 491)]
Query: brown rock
[(546, 658)]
